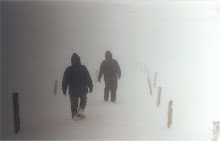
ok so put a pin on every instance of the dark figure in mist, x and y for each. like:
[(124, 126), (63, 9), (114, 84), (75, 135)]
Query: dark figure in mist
[(78, 79), (112, 73)]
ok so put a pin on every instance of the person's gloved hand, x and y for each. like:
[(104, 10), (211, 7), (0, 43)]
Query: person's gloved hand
[(99, 80), (90, 90), (64, 92)]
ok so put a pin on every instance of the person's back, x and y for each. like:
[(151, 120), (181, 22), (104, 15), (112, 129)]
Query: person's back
[(111, 70), (78, 79)]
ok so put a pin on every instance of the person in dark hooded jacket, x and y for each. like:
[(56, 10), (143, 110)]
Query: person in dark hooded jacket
[(112, 72), (78, 79)]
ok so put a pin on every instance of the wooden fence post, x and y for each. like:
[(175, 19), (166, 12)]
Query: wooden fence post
[(159, 96), (149, 84), (16, 112)]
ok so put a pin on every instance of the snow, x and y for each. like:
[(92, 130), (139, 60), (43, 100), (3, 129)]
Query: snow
[(178, 42), (134, 116)]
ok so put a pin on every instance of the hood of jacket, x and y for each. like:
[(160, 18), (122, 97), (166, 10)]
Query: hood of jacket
[(75, 60), (108, 55)]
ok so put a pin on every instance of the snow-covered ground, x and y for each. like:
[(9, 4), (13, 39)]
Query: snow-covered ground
[(134, 116), (179, 41)]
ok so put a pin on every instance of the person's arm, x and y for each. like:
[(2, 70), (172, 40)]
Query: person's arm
[(101, 71), (65, 82), (89, 80), (118, 69)]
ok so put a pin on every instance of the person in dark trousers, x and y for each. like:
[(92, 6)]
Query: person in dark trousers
[(112, 72), (78, 79)]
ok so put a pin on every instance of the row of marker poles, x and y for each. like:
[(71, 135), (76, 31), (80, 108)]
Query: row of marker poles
[(170, 104), (15, 97), (216, 130)]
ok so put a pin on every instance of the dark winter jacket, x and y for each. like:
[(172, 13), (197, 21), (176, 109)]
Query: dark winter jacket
[(110, 68), (77, 78)]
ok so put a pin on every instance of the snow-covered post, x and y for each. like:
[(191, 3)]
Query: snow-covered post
[(216, 130), (150, 88), (55, 87), (159, 96), (155, 79), (170, 113), (16, 112)]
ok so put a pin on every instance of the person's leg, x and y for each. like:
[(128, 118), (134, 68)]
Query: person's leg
[(74, 104), (107, 88), (114, 85), (83, 101)]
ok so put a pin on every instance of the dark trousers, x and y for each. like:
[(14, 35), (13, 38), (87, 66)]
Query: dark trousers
[(74, 100), (110, 85)]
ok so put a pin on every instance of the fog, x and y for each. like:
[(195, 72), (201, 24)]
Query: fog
[(178, 40)]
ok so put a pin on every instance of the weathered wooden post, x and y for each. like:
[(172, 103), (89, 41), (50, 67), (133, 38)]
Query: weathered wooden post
[(155, 79), (216, 130), (159, 96), (16, 112), (55, 87), (170, 113)]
